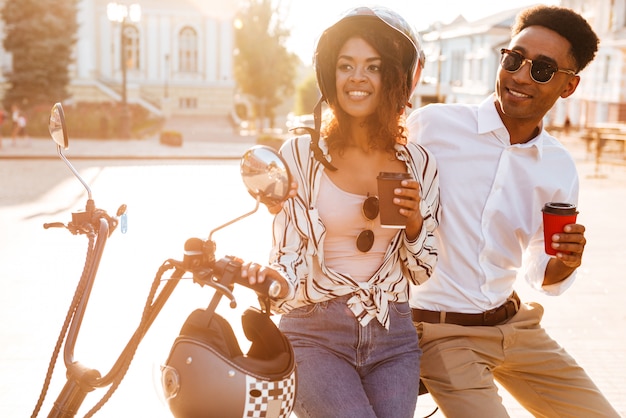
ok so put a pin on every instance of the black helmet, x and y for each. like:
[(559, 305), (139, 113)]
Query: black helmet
[(390, 23), (207, 375)]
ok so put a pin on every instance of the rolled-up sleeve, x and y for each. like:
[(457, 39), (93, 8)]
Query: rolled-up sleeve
[(420, 255)]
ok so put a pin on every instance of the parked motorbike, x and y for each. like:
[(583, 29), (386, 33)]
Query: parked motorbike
[(206, 373)]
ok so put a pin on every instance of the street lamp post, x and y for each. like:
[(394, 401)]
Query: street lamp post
[(122, 13), (166, 76)]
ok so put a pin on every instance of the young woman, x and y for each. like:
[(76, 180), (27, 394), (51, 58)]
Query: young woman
[(345, 310)]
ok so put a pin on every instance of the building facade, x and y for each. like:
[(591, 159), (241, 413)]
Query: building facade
[(179, 59), (178, 55), (602, 93)]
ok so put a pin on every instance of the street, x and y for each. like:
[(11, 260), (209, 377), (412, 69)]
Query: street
[(170, 201)]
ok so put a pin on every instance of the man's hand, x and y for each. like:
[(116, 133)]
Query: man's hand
[(570, 246)]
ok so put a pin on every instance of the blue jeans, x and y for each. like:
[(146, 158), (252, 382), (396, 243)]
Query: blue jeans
[(347, 370)]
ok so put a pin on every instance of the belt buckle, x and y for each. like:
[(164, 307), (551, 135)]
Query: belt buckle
[(515, 300), (512, 300), (490, 313)]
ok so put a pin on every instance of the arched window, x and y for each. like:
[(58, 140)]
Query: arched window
[(131, 47), (188, 50)]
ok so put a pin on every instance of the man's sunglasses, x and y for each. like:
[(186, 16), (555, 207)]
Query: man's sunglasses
[(365, 240), (541, 71)]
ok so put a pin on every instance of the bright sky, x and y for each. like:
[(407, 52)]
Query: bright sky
[(308, 18)]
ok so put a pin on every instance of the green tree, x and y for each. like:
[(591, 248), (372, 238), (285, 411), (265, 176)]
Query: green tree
[(263, 67), (307, 95), (40, 36)]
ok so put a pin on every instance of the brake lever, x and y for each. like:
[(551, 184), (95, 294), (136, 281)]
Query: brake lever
[(54, 225), (206, 277)]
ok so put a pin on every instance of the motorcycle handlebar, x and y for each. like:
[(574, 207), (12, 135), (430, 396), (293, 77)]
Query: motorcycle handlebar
[(54, 225), (231, 265), (269, 287)]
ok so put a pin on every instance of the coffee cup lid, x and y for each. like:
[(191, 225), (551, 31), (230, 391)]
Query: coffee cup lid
[(393, 176), (559, 208)]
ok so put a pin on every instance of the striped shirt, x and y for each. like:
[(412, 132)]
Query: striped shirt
[(298, 241)]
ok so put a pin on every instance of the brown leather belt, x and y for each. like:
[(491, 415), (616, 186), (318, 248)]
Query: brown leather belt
[(492, 317)]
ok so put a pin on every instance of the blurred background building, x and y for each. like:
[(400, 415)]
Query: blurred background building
[(179, 59), (178, 56), (462, 61)]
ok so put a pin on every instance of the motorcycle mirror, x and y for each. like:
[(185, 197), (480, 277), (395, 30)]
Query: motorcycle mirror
[(58, 132), (57, 127), (265, 174)]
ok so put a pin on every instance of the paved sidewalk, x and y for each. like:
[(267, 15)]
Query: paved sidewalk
[(149, 148)]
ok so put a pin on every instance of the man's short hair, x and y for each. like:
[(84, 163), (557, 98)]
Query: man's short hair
[(567, 23)]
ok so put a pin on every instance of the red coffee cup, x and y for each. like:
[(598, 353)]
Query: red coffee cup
[(555, 216)]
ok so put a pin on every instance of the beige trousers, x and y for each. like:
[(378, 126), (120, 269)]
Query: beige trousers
[(459, 365)]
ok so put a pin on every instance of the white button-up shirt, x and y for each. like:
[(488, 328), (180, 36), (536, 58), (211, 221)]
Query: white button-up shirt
[(492, 193)]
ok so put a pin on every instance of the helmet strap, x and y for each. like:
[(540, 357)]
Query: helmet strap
[(315, 136)]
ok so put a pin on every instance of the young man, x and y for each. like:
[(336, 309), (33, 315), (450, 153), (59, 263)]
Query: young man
[(498, 167)]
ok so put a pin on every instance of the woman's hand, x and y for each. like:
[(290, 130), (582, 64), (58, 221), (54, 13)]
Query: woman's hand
[(293, 191), (256, 273), (408, 198)]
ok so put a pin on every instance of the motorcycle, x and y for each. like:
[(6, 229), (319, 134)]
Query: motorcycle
[(206, 372)]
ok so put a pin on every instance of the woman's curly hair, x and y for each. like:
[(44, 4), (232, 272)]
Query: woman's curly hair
[(386, 125), (567, 23)]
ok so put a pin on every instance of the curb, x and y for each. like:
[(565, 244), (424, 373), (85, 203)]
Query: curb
[(122, 157), (114, 149)]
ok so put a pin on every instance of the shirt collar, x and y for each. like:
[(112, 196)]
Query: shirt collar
[(488, 120)]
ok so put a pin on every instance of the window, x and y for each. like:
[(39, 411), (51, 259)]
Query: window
[(456, 69), (188, 103), (188, 50), (131, 47), (476, 69)]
